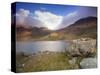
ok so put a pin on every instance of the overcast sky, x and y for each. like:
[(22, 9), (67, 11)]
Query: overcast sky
[(50, 15)]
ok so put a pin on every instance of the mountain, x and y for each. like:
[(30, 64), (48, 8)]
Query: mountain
[(86, 27), (40, 32), (24, 33)]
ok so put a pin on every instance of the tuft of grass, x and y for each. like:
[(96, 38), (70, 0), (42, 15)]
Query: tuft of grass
[(45, 62)]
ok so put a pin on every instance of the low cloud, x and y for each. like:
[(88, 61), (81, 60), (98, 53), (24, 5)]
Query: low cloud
[(38, 18), (26, 18), (21, 16), (50, 20), (23, 12)]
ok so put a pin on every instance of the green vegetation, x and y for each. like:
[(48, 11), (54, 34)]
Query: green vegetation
[(45, 61)]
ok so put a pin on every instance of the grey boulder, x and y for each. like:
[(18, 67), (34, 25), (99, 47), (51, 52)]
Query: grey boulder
[(88, 63)]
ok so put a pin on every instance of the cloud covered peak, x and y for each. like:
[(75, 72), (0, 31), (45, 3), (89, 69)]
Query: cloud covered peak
[(43, 18), (38, 18), (49, 19)]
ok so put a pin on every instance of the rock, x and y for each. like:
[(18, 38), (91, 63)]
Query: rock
[(73, 61), (72, 50), (87, 48), (82, 47), (88, 63), (82, 39)]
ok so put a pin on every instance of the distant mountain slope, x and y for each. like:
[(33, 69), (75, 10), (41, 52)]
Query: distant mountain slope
[(86, 27), (24, 33)]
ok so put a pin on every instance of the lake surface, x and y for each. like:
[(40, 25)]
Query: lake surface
[(36, 46)]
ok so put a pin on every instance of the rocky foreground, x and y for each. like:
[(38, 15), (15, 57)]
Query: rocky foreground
[(80, 54), (86, 48)]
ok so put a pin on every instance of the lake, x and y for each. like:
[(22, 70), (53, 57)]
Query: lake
[(36, 46)]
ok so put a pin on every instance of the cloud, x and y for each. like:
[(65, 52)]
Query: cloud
[(69, 19), (21, 16), (49, 19), (38, 18), (23, 12), (43, 18), (26, 18), (74, 16)]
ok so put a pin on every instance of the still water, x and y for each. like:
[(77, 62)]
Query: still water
[(36, 46)]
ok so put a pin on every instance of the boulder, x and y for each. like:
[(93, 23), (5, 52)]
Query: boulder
[(82, 47), (88, 63), (87, 48), (72, 50), (73, 61)]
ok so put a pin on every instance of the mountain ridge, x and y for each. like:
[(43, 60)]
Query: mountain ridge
[(85, 27)]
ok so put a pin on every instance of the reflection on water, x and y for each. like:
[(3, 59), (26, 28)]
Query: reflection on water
[(31, 47)]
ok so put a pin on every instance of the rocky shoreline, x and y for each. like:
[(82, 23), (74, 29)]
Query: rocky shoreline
[(80, 54), (86, 48)]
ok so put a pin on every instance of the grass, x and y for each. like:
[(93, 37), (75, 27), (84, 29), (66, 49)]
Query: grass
[(45, 62)]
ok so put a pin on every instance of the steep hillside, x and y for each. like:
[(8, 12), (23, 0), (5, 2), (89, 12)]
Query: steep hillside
[(86, 27)]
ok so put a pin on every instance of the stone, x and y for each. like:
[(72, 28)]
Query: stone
[(88, 63), (72, 50), (82, 47), (87, 48), (73, 61)]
